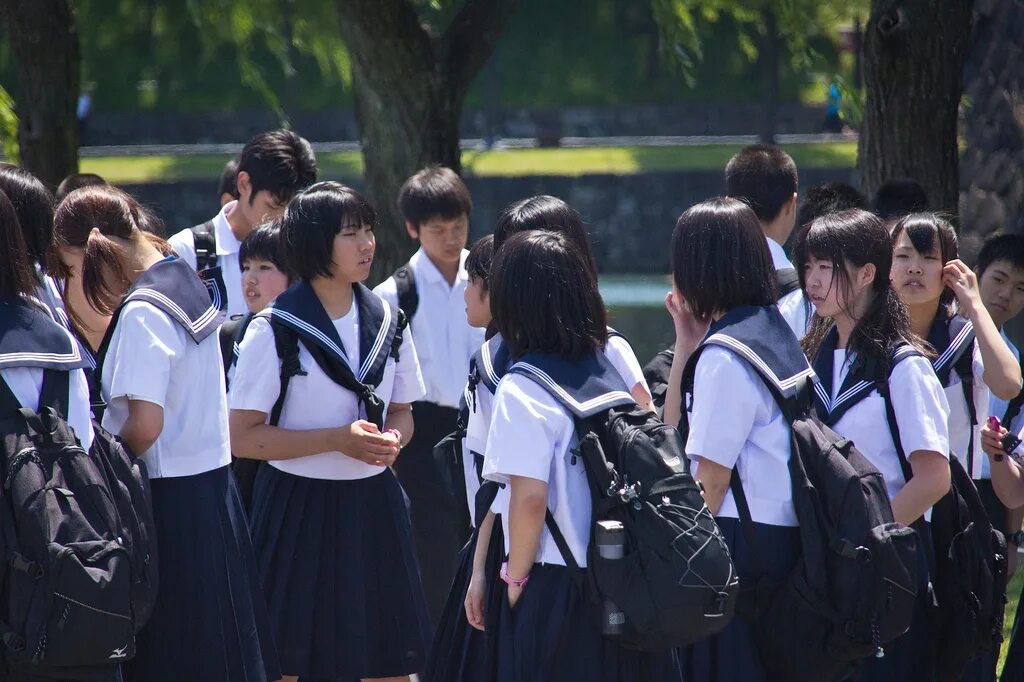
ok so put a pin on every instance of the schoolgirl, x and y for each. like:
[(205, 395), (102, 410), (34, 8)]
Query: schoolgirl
[(161, 377), (329, 522), (861, 343), (546, 306), (734, 424)]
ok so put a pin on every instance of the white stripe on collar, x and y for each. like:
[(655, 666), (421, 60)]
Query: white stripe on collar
[(309, 329), (208, 315), (947, 354), (610, 399), (488, 366), (782, 384), (378, 342), (860, 385)]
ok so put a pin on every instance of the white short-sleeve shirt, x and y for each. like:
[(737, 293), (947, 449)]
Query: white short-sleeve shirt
[(314, 401), (530, 436), (152, 358), (996, 405), (960, 431), (795, 308), (228, 245), (922, 413), (445, 342), (735, 422), (27, 383)]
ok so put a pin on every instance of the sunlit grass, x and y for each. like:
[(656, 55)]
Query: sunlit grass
[(502, 162), (1013, 592)]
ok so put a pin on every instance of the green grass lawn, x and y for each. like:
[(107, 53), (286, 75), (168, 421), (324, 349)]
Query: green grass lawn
[(504, 162), (1013, 592)]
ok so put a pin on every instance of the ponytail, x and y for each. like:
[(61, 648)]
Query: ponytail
[(103, 265)]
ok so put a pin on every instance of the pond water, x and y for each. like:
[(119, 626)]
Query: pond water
[(636, 307)]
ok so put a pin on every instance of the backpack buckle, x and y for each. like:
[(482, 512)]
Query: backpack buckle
[(718, 605)]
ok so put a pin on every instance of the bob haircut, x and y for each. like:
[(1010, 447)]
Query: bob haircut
[(314, 218), (432, 192), (33, 205), (264, 243), (16, 276), (544, 212), (764, 176), (479, 261), (544, 298), (720, 259), (857, 237), (924, 230)]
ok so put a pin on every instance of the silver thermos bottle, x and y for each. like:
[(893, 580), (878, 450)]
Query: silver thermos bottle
[(610, 537)]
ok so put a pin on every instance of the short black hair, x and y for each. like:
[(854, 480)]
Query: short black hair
[(280, 162), (77, 181), (544, 212), (479, 261), (1007, 247), (764, 176), (829, 197), (33, 205), (432, 192), (720, 259), (264, 243), (312, 220), (16, 277), (898, 197), (228, 179), (545, 299)]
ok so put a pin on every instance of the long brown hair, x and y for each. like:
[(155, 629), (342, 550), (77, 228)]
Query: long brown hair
[(94, 218)]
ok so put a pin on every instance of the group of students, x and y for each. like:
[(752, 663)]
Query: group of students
[(337, 546)]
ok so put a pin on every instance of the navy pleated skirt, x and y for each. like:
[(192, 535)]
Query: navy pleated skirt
[(550, 636), (911, 657), (338, 567), (210, 621), (460, 652), (731, 655)]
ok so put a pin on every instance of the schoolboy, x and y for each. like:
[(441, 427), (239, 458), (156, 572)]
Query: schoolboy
[(436, 206), (272, 168), (765, 177)]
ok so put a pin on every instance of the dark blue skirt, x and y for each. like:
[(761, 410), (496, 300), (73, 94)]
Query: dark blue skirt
[(338, 567), (550, 636), (210, 622), (731, 655)]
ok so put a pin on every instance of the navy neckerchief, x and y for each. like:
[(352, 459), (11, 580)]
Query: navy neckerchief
[(300, 310), (861, 379), (30, 337), (951, 337), (584, 387)]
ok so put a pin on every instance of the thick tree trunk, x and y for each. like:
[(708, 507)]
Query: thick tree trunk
[(913, 71), (45, 42), (769, 58), (409, 88)]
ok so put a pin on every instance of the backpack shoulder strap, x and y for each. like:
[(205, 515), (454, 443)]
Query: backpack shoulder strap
[(964, 368), (205, 238), (286, 342), (787, 281), (408, 296), (56, 391), (882, 384)]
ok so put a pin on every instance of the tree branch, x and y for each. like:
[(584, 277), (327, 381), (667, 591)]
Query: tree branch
[(385, 29), (470, 39)]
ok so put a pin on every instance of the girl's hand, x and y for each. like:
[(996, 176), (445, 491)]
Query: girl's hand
[(992, 440), (689, 330), (964, 283), (514, 595), (362, 440), (474, 601)]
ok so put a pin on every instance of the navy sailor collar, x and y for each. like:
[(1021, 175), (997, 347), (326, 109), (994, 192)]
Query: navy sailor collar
[(300, 310), (584, 387), (173, 287), (30, 337), (951, 337), (861, 379)]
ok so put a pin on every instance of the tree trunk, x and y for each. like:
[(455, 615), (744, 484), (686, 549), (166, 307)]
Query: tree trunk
[(769, 57), (44, 39), (409, 89), (913, 71)]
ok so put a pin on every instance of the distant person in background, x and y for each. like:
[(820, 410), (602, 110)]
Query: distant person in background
[(77, 181), (829, 197), (898, 198), (272, 168), (228, 188), (833, 110), (83, 111), (765, 177)]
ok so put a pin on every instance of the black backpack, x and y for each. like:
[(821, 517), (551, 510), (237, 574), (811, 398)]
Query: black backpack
[(787, 280), (676, 583), (970, 563), (656, 375), (853, 588), (408, 296), (79, 571)]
